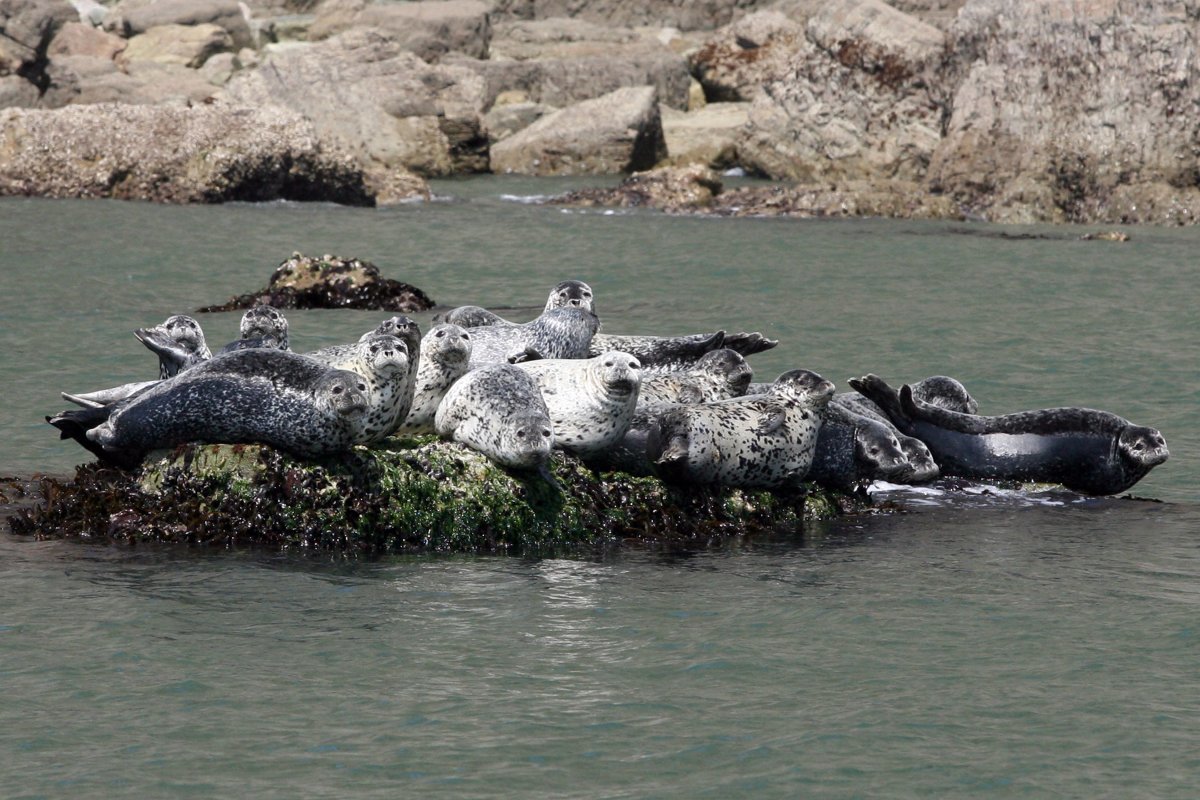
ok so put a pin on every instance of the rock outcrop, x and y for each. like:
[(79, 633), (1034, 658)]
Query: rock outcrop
[(429, 29), (174, 154), (619, 132), (376, 100)]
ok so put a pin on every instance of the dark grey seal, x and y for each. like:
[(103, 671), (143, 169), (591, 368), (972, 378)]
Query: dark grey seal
[(765, 441), (498, 410), (178, 342), (853, 450), (1085, 450), (258, 395)]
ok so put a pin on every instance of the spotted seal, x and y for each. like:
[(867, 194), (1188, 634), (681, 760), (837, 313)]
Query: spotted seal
[(261, 326), (564, 294), (498, 410), (762, 441), (717, 375), (660, 354), (853, 450), (556, 334), (382, 361), (445, 353), (259, 395), (1085, 450), (591, 400)]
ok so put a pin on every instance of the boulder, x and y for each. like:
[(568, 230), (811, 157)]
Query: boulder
[(377, 100), (429, 29), (206, 153), (736, 62), (1083, 112), (78, 39), (26, 29), (687, 16), (565, 37), (132, 18), (186, 45), (850, 102), (331, 282), (619, 132), (506, 119), (82, 80), (561, 82), (676, 190), (706, 136)]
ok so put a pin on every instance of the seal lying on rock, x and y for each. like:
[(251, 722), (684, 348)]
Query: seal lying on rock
[(765, 441), (382, 361), (499, 411), (445, 353), (853, 450), (261, 326), (401, 327), (260, 395), (591, 401), (557, 333), (1088, 451), (567, 293), (717, 375)]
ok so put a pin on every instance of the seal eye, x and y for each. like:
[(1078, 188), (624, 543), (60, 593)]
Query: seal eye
[(440, 334), (339, 389), (520, 433), (546, 433), (608, 363)]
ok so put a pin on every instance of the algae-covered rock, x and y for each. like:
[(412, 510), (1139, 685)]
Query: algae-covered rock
[(331, 282), (411, 495)]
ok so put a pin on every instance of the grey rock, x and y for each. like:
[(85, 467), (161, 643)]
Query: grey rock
[(505, 120), (619, 132), (26, 28), (186, 45), (130, 19), (686, 15), (78, 39), (705, 136), (16, 92), (430, 28), (377, 100), (82, 80), (205, 153)]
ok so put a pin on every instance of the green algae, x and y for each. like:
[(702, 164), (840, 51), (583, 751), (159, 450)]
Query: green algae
[(409, 495)]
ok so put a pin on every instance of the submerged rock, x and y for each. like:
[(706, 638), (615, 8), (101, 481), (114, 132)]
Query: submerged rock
[(415, 495), (331, 282)]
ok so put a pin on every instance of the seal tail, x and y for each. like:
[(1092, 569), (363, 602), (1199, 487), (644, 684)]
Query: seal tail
[(76, 424)]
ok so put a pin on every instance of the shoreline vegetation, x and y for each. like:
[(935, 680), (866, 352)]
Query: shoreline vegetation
[(1013, 111)]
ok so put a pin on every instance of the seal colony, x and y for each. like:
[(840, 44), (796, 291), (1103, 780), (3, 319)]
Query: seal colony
[(680, 409)]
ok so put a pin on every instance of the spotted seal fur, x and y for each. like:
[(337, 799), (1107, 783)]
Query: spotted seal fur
[(556, 334), (261, 326), (382, 361), (445, 353), (763, 441), (259, 395), (498, 410), (1086, 450), (591, 401), (717, 375)]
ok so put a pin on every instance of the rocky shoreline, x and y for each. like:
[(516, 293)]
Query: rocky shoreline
[(1002, 110)]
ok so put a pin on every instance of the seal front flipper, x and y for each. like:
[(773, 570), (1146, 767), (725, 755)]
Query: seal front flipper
[(523, 355), (774, 424)]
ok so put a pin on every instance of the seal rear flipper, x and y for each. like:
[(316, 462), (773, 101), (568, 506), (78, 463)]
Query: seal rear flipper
[(748, 343), (75, 425), (171, 356), (877, 390), (106, 397)]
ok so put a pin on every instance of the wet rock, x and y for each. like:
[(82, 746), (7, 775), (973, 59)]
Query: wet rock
[(331, 282), (206, 154), (379, 102), (673, 189), (619, 132), (408, 496)]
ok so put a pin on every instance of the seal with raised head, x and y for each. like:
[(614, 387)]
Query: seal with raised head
[(565, 294), (558, 333), (853, 450), (258, 395), (717, 375), (1085, 450), (660, 354), (763, 441), (445, 353), (498, 410), (382, 361), (261, 326), (591, 400), (400, 327)]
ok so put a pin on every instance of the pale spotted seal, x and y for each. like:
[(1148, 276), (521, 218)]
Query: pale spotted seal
[(1085, 450), (717, 375), (567, 293), (591, 401), (558, 333), (258, 395), (498, 410), (763, 441), (445, 353), (383, 362)]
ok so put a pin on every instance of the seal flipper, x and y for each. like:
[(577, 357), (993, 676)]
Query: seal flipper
[(690, 395), (877, 390), (748, 343), (76, 424), (525, 355), (172, 357), (773, 425)]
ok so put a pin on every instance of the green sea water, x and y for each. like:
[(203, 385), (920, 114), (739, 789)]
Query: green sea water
[(970, 644)]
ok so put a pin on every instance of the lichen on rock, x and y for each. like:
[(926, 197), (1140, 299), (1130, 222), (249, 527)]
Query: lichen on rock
[(411, 495)]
